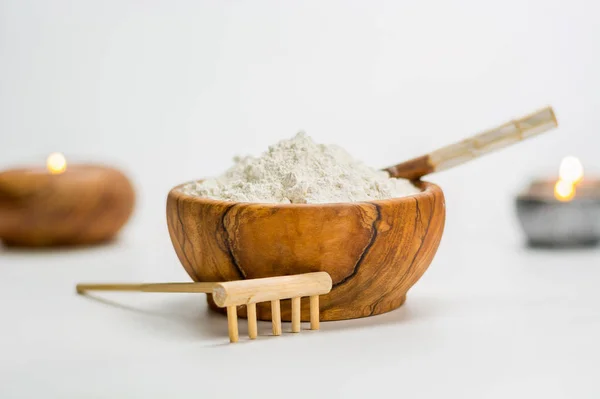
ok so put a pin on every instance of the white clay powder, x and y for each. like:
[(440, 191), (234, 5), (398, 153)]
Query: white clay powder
[(300, 171)]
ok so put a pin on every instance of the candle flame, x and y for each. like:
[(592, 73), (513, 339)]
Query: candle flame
[(570, 173), (56, 163), (564, 190), (571, 170)]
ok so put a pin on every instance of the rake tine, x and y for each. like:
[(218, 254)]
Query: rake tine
[(276, 316), (251, 314)]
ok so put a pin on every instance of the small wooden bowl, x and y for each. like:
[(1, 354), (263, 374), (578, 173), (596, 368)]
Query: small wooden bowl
[(86, 204), (374, 251)]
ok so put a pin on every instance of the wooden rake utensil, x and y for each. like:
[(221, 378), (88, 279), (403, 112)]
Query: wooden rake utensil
[(231, 294)]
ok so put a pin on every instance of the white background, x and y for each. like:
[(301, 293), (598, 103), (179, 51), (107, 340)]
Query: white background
[(170, 91)]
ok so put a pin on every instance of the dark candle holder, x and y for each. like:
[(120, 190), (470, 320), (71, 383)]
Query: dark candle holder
[(549, 222)]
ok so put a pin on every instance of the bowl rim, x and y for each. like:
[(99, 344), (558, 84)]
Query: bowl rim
[(427, 189)]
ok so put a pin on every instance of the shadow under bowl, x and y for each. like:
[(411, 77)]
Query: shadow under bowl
[(374, 250)]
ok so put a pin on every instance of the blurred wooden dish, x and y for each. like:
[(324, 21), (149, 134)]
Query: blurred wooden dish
[(84, 205)]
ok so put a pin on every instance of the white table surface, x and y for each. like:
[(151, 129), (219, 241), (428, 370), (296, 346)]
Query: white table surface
[(171, 91), (489, 319)]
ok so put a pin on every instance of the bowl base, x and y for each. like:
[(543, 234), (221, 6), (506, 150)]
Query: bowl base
[(53, 243), (563, 244), (263, 310)]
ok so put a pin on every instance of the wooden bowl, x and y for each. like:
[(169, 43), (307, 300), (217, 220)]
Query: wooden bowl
[(85, 205), (374, 251)]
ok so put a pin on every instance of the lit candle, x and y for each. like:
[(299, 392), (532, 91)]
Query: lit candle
[(570, 174), (56, 163), (564, 211), (63, 204)]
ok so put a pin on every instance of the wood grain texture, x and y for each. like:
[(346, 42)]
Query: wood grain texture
[(85, 205), (374, 251)]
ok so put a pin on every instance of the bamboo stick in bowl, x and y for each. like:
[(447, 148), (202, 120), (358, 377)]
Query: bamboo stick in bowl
[(473, 147)]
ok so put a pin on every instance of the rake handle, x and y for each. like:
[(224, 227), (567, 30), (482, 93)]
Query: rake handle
[(151, 287), (234, 293)]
